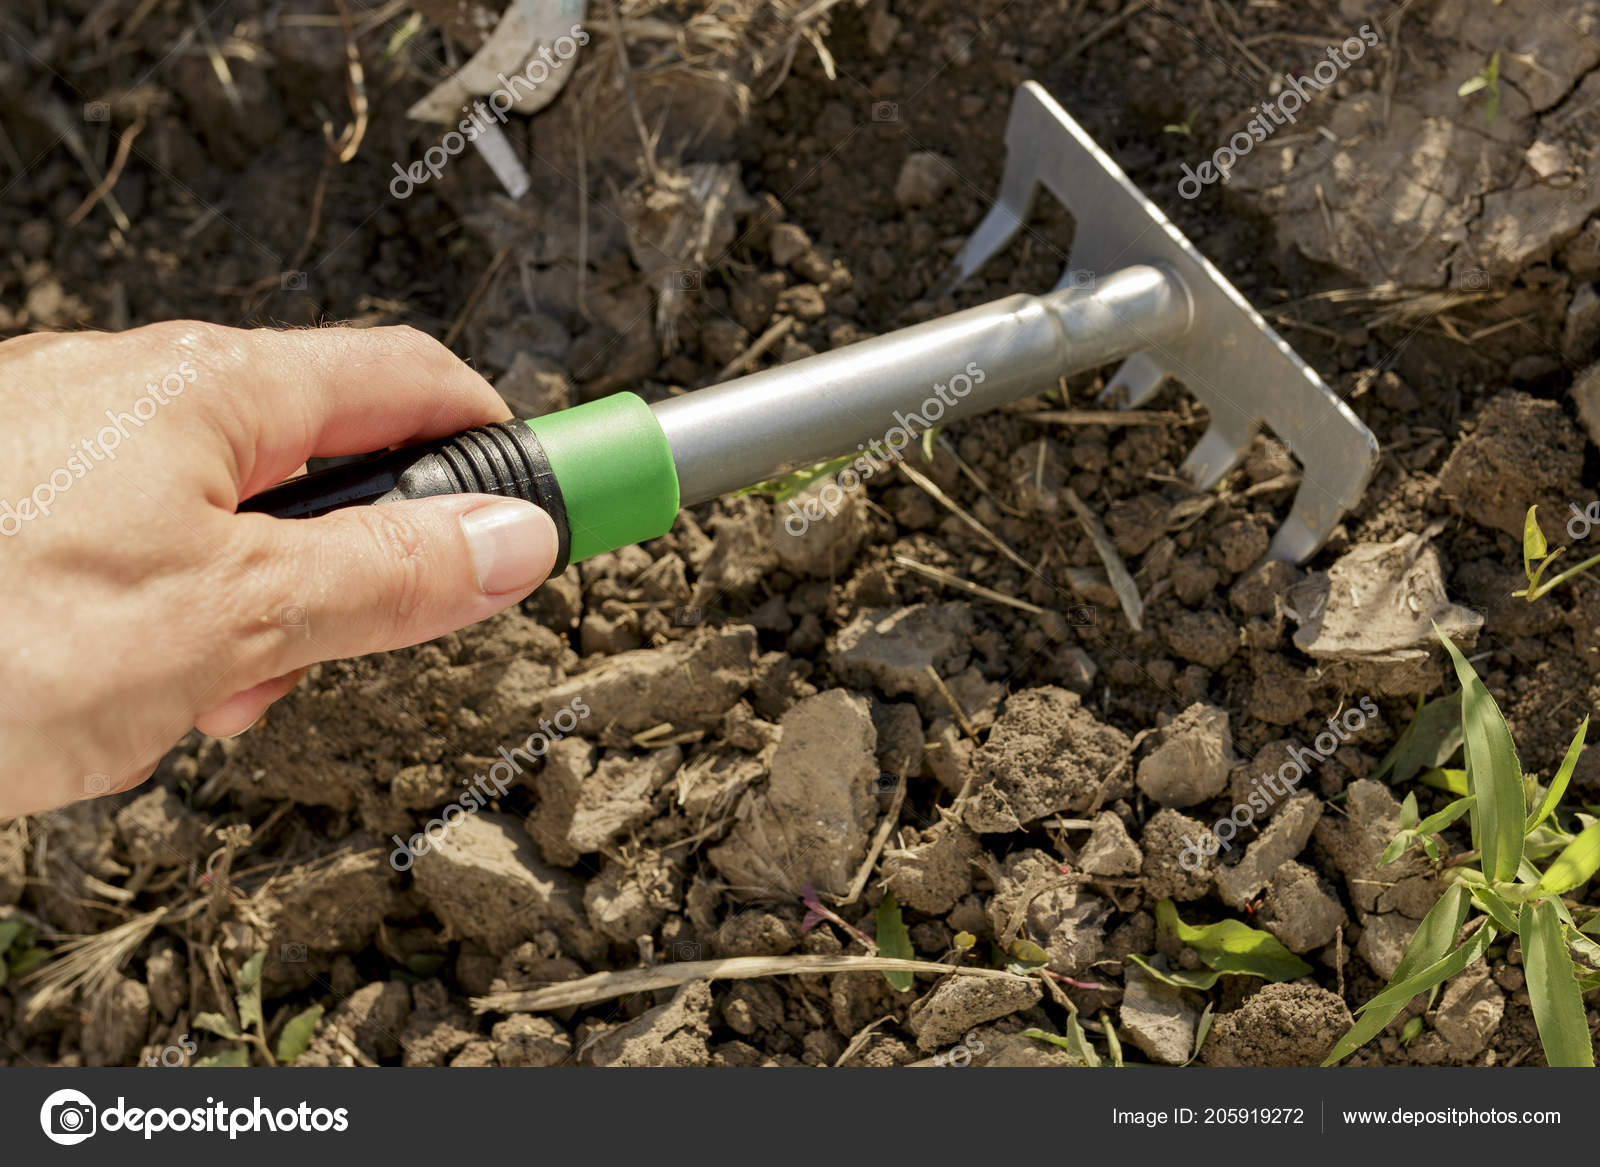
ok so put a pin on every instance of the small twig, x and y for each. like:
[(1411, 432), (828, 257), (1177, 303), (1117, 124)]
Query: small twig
[(605, 986), (859, 1041), (1121, 582), (319, 194), (1106, 29), (954, 508), (977, 480), (966, 585), (355, 89), (219, 63), (955, 706), (646, 142), (776, 332), (55, 116), (350, 1047), (478, 292), (103, 188), (864, 872), (1104, 417)]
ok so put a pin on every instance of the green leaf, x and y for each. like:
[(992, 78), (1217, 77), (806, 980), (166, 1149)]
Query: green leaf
[(1410, 1030), (1553, 989), (233, 1056), (1428, 742), (296, 1036), (218, 1024), (1432, 940), (1450, 781), (1396, 848), (894, 941), (964, 941), (1113, 1042), (9, 931), (1376, 1014), (1437, 933), (1534, 545), (1558, 784), (785, 487), (249, 991), (1587, 949), (1438, 821), (25, 961), (1230, 946), (1496, 908), (1027, 956), (1400, 991), (425, 964), (1078, 1043), (1202, 1031), (1181, 978), (1075, 1043), (1408, 811), (1054, 1039), (1494, 775), (1575, 866)]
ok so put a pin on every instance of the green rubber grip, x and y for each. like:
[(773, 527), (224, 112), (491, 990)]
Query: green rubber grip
[(615, 471)]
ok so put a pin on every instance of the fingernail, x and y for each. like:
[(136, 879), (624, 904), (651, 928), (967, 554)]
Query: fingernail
[(512, 544)]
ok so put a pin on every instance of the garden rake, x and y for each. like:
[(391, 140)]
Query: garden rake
[(616, 471)]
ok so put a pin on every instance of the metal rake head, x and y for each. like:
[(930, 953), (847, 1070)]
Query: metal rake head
[(1243, 372)]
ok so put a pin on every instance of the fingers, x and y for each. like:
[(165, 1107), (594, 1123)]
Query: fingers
[(289, 396), (371, 579), (239, 712)]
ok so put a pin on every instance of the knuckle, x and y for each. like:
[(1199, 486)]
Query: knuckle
[(418, 346), (195, 335), (401, 548)]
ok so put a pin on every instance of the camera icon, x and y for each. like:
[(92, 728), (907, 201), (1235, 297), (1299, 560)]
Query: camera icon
[(68, 1117), (688, 950), (687, 617), (1080, 279), (887, 783), (293, 616), (96, 784), (291, 954), (885, 111), (96, 111), (686, 279), (292, 281), (1083, 616), (1474, 279), (173, 1056)]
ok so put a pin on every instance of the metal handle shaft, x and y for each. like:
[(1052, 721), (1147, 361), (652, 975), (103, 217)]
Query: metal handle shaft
[(889, 389)]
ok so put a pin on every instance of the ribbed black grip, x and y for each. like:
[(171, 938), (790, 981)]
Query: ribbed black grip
[(505, 458)]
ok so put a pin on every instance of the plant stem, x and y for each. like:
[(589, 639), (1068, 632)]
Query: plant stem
[(1576, 569)]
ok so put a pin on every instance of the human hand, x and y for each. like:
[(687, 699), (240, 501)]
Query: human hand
[(139, 603)]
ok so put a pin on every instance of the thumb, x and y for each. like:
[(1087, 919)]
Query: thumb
[(372, 579)]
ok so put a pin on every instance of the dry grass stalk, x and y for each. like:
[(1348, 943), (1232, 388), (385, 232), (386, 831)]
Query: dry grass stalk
[(605, 986)]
